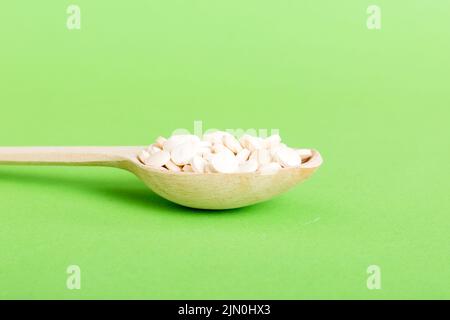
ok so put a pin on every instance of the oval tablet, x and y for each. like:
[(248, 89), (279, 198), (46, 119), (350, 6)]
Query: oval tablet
[(176, 140), (224, 162), (198, 164), (232, 143), (243, 155), (158, 159), (172, 166), (304, 153), (153, 149), (143, 156), (248, 166), (183, 153), (263, 156), (251, 143), (287, 157), (160, 142), (219, 147)]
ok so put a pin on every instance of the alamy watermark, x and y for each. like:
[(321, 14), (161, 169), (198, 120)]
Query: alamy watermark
[(73, 281), (373, 21), (199, 131), (374, 279), (73, 21)]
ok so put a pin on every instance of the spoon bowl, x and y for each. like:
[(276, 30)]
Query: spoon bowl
[(215, 191)]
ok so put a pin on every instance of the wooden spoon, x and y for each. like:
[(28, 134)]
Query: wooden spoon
[(195, 190)]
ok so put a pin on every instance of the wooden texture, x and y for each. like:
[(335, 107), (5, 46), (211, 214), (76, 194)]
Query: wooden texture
[(202, 191)]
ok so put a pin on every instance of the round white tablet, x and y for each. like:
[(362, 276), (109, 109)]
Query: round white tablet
[(153, 149), (248, 166), (158, 159), (143, 156), (172, 166), (224, 162), (287, 157), (183, 153), (243, 155), (304, 153)]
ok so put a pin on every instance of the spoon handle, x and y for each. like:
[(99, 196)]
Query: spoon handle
[(69, 156)]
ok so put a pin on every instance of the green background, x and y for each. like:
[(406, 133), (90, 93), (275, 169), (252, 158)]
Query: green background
[(373, 102)]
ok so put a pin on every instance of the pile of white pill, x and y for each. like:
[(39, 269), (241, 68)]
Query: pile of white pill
[(221, 152)]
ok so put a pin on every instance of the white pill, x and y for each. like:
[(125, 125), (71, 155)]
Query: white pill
[(170, 143), (304, 154), (207, 156), (143, 156), (273, 150), (287, 157), (198, 164), (160, 142), (224, 162), (201, 151), (183, 153), (153, 149), (172, 166), (187, 168), (250, 142), (158, 159), (269, 168), (244, 141), (248, 166), (243, 155), (263, 156), (176, 140), (232, 143), (219, 147), (205, 144), (253, 155), (273, 141)]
